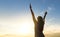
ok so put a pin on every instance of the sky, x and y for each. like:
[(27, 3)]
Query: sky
[(15, 16)]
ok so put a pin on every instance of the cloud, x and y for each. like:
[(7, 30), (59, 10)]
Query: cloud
[(49, 9)]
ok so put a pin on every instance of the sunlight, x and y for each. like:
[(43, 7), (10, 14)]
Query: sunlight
[(26, 28)]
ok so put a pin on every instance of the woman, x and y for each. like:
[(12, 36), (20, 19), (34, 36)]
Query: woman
[(39, 24)]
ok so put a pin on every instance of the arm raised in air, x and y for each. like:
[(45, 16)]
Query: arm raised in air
[(32, 14)]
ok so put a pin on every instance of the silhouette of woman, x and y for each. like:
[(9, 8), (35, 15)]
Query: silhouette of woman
[(39, 23)]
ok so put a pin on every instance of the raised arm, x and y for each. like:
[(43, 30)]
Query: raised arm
[(32, 14), (45, 15)]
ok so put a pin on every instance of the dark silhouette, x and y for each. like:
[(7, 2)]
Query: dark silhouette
[(39, 23)]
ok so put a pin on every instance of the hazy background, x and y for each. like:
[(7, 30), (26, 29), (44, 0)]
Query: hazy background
[(16, 20)]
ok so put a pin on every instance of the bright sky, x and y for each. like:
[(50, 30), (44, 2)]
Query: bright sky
[(15, 16)]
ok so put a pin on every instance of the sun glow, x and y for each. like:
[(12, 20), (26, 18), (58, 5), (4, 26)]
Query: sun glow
[(26, 28)]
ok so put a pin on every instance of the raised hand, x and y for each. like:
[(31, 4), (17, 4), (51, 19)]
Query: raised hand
[(30, 6), (45, 15), (31, 10)]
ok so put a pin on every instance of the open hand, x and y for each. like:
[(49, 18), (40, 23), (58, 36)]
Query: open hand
[(46, 13), (30, 6)]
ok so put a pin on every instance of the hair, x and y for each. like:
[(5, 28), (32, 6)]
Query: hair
[(39, 18)]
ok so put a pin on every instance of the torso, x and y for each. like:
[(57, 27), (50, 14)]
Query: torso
[(39, 28)]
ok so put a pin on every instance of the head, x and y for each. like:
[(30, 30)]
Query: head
[(39, 18)]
